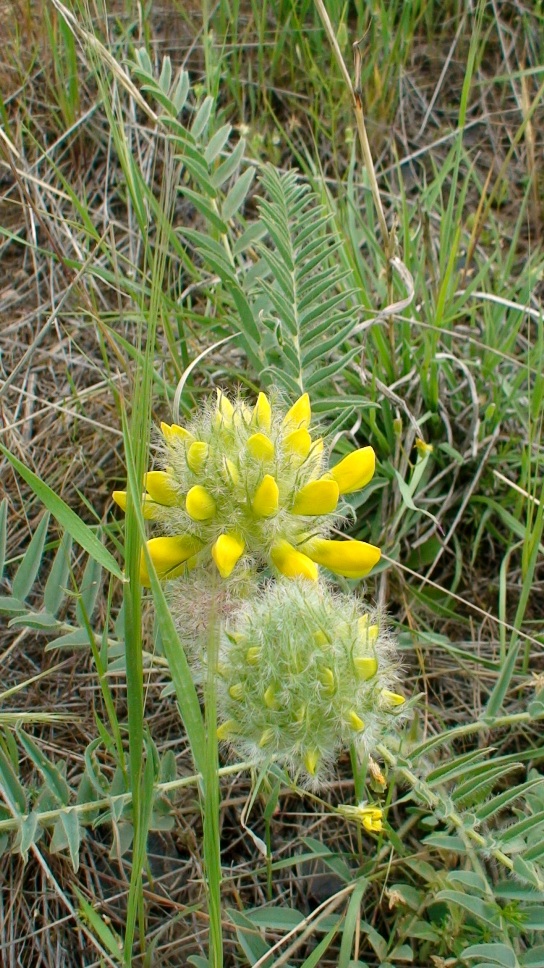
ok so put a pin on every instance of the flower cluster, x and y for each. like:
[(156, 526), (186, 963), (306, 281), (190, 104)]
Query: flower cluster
[(303, 674), (250, 486)]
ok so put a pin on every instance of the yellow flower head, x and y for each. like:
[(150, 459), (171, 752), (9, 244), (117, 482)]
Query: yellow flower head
[(248, 486)]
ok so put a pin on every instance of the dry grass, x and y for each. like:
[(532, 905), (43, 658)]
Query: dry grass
[(62, 374)]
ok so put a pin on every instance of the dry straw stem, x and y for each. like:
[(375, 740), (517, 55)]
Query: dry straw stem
[(356, 98)]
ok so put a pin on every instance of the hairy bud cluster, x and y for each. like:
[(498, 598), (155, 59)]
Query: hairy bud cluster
[(303, 674), (249, 488)]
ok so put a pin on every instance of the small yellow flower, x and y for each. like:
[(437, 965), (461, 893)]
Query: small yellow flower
[(262, 413), (199, 504), (300, 414), (352, 559), (355, 721), (316, 497), (197, 455), (355, 470), (260, 447), (366, 666), (292, 563), (369, 816), (266, 500), (393, 698), (173, 432), (161, 488), (226, 552), (169, 556), (310, 761)]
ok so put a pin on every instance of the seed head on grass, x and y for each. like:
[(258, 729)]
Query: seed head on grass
[(303, 674), (248, 487)]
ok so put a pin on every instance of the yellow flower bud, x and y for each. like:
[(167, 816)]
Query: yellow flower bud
[(355, 470), (197, 455), (352, 559), (161, 488), (355, 721), (311, 760), (199, 504), (227, 729), (366, 666), (326, 678), (262, 414), (230, 471), (236, 692), (267, 497), (317, 497), (173, 432), (260, 447), (368, 633), (253, 655), (269, 697), (169, 556), (226, 552), (292, 563), (393, 698), (266, 737), (225, 410), (321, 638), (298, 443), (299, 415)]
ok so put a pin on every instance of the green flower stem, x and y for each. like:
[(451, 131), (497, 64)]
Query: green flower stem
[(47, 817)]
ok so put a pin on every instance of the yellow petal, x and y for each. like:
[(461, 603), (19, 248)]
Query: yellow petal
[(352, 559), (260, 447), (311, 760), (197, 455), (393, 698), (227, 550), (371, 819), (366, 666), (120, 498), (262, 413), (355, 721), (173, 432), (317, 497), (253, 655), (292, 563), (267, 497), (199, 504), (299, 415), (355, 470), (169, 556), (236, 692), (298, 443), (161, 488)]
